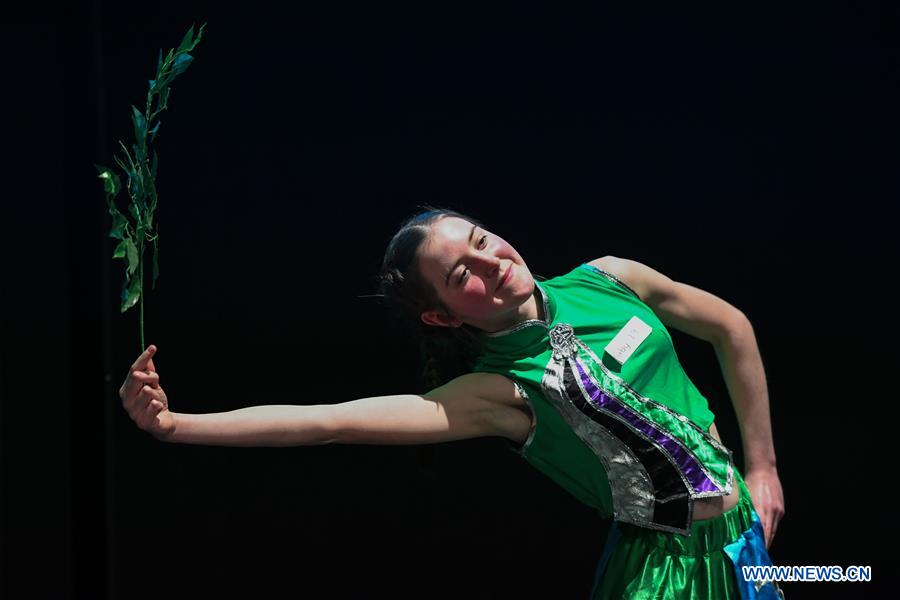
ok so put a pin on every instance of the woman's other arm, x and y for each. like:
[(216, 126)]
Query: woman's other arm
[(742, 369), (708, 317), (457, 410)]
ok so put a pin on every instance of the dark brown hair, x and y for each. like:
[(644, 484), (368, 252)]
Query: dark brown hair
[(448, 351)]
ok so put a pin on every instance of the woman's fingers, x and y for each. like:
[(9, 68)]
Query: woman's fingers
[(131, 389), (150, 406), (152, 379), (772, 527), (143, 361), (149, 394), (766, 519), (776, 515), (154, 407), (143, 397), (142, 366)]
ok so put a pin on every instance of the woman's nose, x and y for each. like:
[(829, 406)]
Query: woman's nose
[(489, 266)]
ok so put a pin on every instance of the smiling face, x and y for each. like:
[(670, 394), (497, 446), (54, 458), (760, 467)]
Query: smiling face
[(477, 275)]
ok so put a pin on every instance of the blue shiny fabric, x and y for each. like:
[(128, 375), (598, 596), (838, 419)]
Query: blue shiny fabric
[(750, 549)]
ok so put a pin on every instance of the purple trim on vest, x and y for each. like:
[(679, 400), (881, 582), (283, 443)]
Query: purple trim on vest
[(686, 463)]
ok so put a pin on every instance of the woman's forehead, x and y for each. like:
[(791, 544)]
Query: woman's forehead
[(447, 237), (447, 234), (452, 229)]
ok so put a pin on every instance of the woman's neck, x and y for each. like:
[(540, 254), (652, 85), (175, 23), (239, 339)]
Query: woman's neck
[(529, 310)]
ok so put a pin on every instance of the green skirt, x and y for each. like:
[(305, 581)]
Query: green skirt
[(640, 563)]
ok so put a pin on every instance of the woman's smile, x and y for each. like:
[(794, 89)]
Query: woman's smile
[(506, 276)]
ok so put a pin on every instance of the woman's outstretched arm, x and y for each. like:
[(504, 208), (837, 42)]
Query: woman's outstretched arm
[(454, 411)]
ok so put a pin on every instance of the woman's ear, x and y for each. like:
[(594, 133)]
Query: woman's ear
[(439, 319)]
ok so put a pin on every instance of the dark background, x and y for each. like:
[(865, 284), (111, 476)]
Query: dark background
[(750, 150)]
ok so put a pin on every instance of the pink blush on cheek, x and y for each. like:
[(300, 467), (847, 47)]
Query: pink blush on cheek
[(473, 300)]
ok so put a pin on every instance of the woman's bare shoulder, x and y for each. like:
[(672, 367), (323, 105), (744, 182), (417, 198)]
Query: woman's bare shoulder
[(513, 417), (493, 387)]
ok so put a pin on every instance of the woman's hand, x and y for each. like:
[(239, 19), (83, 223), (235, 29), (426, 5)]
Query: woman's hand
[(144, 399), (768, 499)]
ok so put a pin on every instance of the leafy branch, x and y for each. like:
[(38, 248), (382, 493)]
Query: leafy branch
[(139, 170)]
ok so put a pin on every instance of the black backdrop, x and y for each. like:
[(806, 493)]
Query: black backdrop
[(750, 150)]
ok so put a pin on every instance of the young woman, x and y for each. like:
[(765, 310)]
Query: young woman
[(579, 373)]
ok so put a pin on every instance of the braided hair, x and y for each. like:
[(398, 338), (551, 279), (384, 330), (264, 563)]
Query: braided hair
[(448, 351)]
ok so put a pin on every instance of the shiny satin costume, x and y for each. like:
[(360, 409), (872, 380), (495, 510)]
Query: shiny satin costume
[(630, 440)]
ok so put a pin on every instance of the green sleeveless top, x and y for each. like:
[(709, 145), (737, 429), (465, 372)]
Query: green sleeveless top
[(630, 440)]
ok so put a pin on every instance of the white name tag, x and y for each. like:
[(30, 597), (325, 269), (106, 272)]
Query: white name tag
[(627, 341)]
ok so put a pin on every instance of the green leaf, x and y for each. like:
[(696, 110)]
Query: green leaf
[(136, 185), (199, 35), (133, 209), (162, 94), (119, 225), (131, 292), (188, 47), (139, 154), (111, 182), (132, 191), (140, 124), (163, 99), (152, 197), (131, 252), (187, 42), (155, 259), (182, 63), (163, 81), (121, 249), (153, 132), (141, 172), (149, 184)]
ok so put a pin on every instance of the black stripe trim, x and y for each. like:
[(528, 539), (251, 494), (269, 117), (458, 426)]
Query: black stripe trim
[(667, 481)]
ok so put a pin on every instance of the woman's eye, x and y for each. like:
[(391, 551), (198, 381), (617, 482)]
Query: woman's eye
[(466, 271)]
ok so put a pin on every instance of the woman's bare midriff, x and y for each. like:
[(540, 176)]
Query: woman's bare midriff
[(521, 420)]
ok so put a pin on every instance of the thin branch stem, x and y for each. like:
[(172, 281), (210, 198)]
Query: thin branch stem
[(141, 275)]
